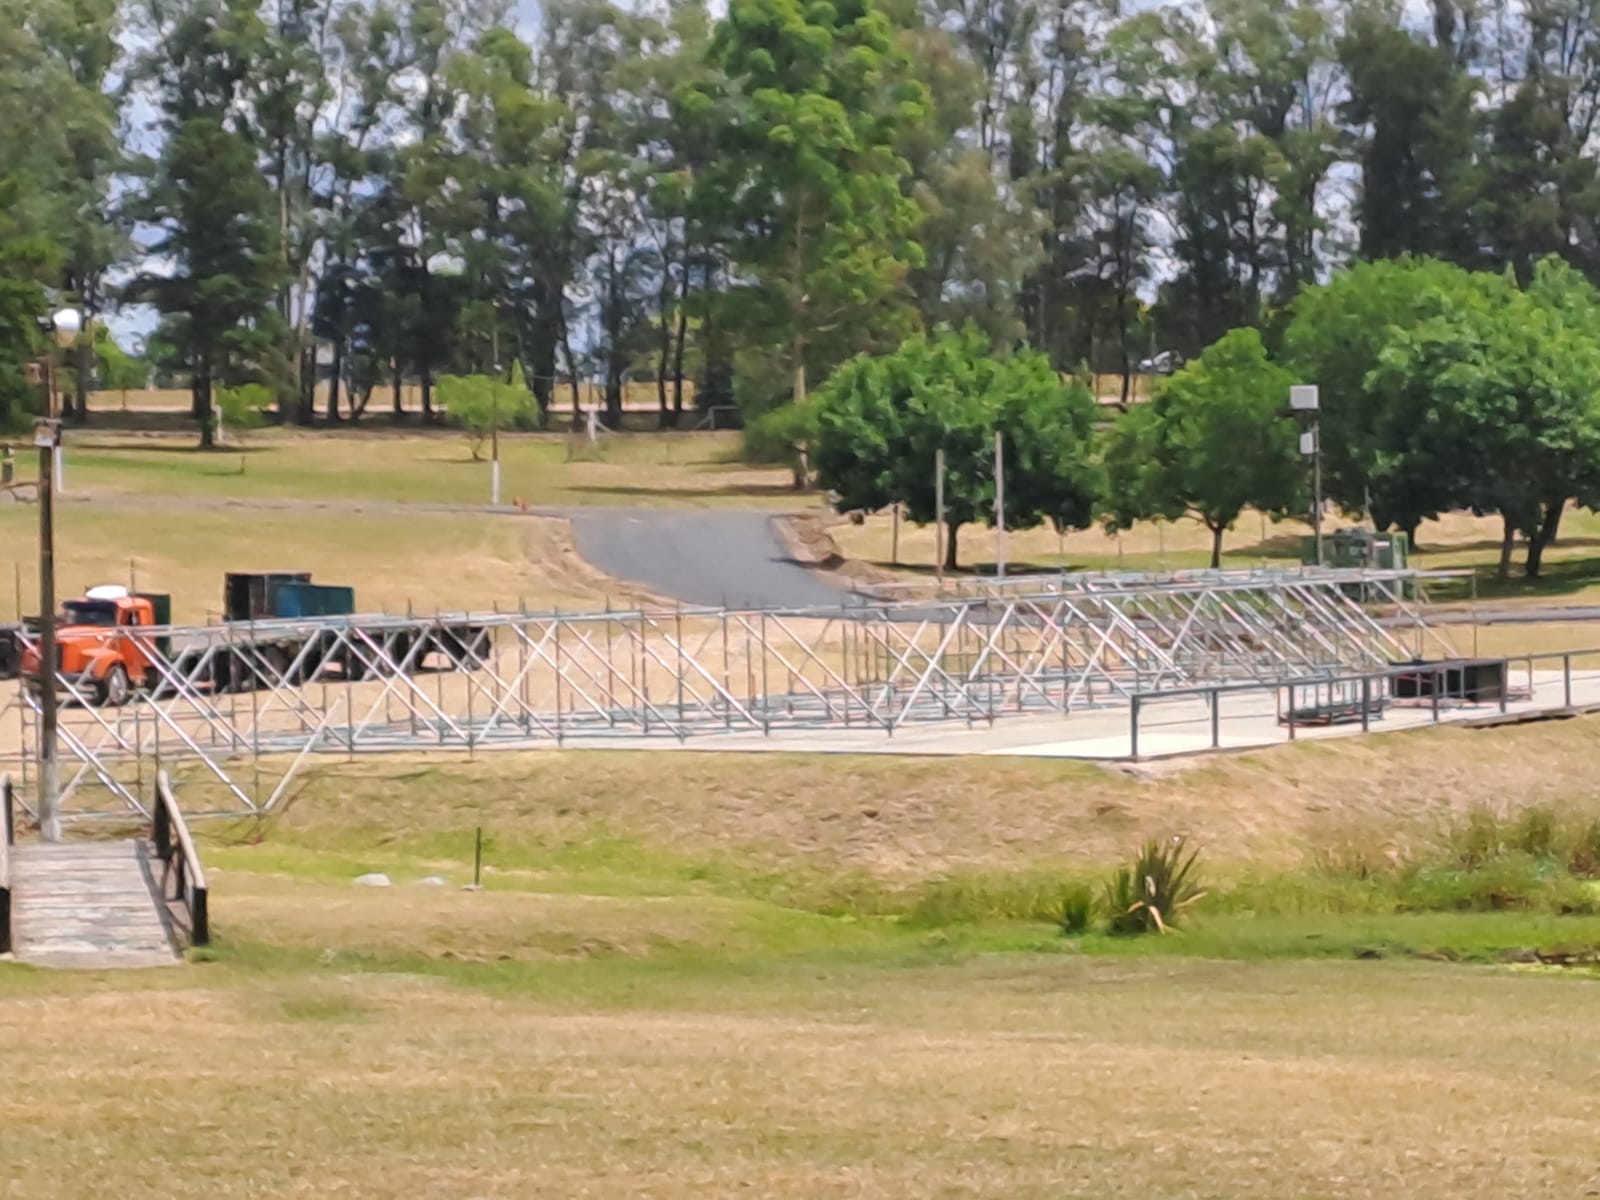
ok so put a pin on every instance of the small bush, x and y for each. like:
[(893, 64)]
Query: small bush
[(1154, 892), (1479, 839), (1537, 833), (1077, 910), (1583, 855), (964, 897)]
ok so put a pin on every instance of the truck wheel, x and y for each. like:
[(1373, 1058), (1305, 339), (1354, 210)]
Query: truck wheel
[(113, 691)]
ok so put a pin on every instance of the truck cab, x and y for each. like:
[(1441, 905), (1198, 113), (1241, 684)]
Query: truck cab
[(97, 649)]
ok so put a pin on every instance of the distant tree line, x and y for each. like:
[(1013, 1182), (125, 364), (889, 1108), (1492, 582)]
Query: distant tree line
[(381, 192), (1441, 390)]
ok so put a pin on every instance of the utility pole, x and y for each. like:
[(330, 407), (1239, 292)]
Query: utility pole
[(1305, 403), (938, 517), (65, 326), (999, 505), (494, 441), (47, 437)]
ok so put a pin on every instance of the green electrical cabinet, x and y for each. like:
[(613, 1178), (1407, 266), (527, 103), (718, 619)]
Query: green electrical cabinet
[(1358, 548)]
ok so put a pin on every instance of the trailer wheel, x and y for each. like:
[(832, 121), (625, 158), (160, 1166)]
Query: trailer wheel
[(113, 691)]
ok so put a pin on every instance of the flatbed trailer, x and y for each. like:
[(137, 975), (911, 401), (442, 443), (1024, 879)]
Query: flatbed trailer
[(350, 648), (279, 629)]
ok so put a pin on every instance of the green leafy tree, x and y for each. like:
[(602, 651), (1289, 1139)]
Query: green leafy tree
[(1504, 385), (1413, 106), (1333, 339), (813, 178), (1213, 441), (881, 421), (481, 405), (244, 407), (212, 211)]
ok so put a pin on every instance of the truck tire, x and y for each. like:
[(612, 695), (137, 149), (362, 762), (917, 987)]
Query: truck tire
[(113, 691)]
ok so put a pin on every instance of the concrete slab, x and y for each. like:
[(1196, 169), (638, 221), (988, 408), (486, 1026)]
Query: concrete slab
[(1247, 720)]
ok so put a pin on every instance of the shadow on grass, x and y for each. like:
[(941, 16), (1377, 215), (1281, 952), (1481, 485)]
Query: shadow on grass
[(1561, 577), (748, 490), (146, 447)]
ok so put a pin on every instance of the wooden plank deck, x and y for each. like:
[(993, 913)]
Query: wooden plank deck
[(88, 905)]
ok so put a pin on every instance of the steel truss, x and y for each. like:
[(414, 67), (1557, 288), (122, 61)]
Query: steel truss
[(240, 708)]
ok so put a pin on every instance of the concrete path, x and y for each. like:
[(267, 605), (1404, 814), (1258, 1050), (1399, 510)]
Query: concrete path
[(703, 557), (87, 905)]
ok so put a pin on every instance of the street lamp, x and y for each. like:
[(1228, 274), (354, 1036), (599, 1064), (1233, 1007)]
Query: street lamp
[(1306, 403), (65, 325), (494, 441)]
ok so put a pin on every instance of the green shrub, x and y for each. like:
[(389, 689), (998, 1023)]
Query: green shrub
[(481, 405), (243, 407), (1537, 833), (1077, 910), (1155, 891), (1583, 854), (976, 896), (1479, 839)]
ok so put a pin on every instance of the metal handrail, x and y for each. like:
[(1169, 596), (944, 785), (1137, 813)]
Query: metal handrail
[(1437, 669), (7, 836), (180, 862)]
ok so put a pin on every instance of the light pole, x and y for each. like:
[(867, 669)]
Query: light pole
[(64, 326), (494, 441), (1305, 403)]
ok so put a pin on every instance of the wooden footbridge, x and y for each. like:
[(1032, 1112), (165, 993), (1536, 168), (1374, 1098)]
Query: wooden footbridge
[(102, 903)]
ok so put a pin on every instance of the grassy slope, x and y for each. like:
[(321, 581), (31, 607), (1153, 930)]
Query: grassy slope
[(675, 985)]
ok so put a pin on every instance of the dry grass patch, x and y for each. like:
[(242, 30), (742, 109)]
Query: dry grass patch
[(996, 1079), (375, 466), (903, 818), (431, 561)]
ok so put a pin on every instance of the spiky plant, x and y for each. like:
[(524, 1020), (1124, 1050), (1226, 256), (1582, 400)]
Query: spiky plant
[(1077, 910), (1156, 890)]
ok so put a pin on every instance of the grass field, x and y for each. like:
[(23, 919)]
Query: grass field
[(1454, 542), (695, 975), (340, 505)]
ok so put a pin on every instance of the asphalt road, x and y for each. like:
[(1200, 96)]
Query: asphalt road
[(704, 556)]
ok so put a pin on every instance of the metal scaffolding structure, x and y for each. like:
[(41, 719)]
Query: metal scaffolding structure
[(232, 713)]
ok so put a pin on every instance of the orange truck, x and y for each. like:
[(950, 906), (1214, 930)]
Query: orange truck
[(98, 648), (113, 643)]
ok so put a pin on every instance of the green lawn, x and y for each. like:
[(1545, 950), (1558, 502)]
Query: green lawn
[(688, 977), (431, 468)]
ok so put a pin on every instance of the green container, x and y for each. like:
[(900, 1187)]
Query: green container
[(1358, 548), (161, 608)]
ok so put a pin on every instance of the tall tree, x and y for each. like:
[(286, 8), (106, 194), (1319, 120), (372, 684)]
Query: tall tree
[(1213, 442), (208, 210), (1413, 105), (881, 422), (813, 178)]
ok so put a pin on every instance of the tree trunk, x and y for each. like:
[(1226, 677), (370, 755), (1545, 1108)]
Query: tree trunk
[(202, 404), (427, 393), (1216, 546), (399, 393), (306, 385), (1549, 524), (1507, 541), (333, 383), (951, 530), (677, 360), (81, 360)]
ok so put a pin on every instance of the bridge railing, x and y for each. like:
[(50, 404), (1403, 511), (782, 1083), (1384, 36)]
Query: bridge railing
[(183, 880), (7, 836)]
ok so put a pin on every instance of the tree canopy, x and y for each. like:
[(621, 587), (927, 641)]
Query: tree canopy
[(1213, 441), (881, 422)]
